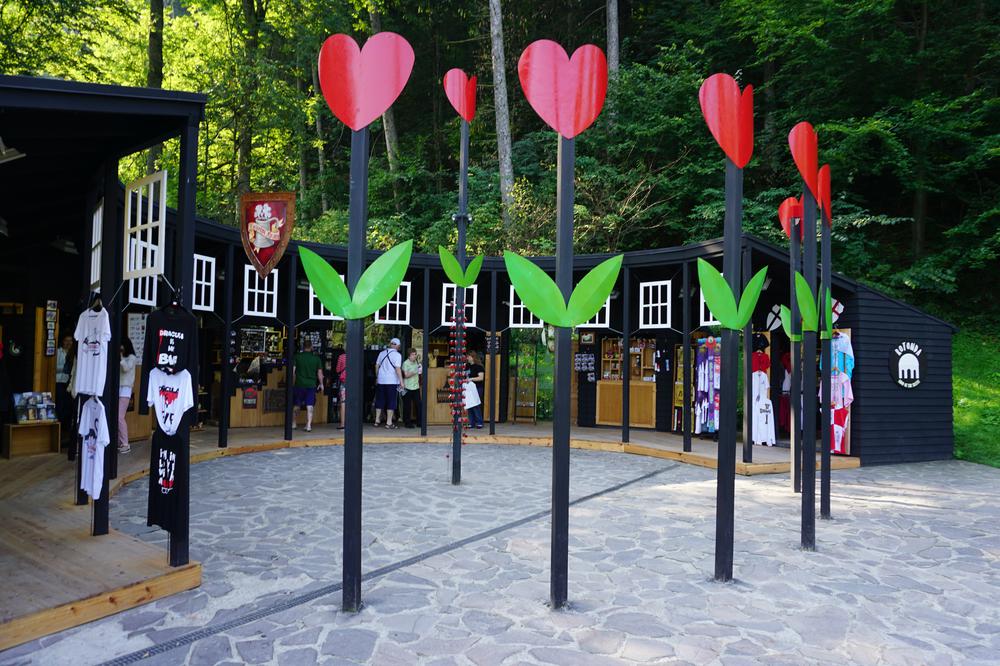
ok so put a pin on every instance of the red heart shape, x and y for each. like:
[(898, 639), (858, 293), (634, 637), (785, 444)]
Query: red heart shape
[(803, 142), (729, 116), (823, 194), (461, 92), (360, 84), (791, 208), (567, 93)]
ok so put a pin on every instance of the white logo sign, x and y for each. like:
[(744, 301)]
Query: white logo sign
[(906, 364)]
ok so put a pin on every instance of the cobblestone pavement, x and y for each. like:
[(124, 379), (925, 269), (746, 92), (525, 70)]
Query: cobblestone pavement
[(908, 572)]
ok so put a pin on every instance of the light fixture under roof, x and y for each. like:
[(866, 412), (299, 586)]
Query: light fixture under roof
[(64, 245), (8, 153)]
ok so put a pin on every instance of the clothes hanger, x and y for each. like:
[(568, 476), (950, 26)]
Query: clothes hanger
[(95, 302)]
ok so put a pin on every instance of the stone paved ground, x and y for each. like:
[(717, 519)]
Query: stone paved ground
[(907, 573)]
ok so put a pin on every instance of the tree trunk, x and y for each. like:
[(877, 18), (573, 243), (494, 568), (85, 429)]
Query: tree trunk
[(300, 86), (612, 39), (919, 235), (154, 68), (389, 125), (254, 12), (502, 113), (321, 158), (770, 141)]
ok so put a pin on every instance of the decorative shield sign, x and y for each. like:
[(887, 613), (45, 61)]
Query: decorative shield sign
[(266, 221)]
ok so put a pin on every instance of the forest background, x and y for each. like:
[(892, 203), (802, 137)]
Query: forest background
[(903, 94)]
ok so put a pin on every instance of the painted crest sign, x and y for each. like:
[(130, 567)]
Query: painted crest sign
[(266, 222)]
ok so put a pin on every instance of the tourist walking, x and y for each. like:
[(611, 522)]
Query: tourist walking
[(307, 379), (412, 369), (126, 380)]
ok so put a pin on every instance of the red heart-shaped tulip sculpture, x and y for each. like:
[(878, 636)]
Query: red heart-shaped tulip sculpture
[(461, 92), (791, 208), (823, 194), (803, 143), (567, 93), (729, 116), (360, 84)]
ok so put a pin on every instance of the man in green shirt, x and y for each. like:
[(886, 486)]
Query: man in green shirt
[(412, 369), (307, 374)]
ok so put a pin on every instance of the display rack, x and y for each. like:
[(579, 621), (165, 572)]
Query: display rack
[(641, 366)]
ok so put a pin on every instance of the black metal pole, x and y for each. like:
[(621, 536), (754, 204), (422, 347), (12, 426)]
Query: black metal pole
[(563, 378), (686, 354), (293, 265), (183, 281), (809, 383), (493, 351), (826, 370), (725, 493), (460, 219), (424, 352), (111, 277), (358, 215), (626, 362), (747, 366), (795, 392), (228, 350)]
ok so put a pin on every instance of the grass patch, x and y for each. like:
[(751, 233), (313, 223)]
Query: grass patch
[(976, 371)]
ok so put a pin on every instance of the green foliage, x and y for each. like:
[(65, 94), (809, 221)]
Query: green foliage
[(976, 371), (374, 289), (542, 297), (904, 96)]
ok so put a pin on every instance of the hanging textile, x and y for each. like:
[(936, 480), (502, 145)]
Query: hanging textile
[(841, 392), (707, 389), (762, 410), (94, 431)]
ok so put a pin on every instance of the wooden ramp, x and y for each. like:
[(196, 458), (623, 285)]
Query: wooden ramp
[(55, 574)]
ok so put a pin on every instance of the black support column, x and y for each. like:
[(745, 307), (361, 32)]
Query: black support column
[(626, 359), (226, 389), (424, 352), (292, 277), (747, 367), (686, 353)]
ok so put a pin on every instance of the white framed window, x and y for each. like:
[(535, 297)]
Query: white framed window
[(96, 234), (317, 310), (260, 296), (601, 319), (449, 292), (142, 290), (655, 304), (707, 318), (397, 309), (520, 316), (203, 289), (145, 222)]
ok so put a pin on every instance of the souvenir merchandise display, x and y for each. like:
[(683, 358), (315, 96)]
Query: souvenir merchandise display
[(34, 407), (708, 384), (168, 384), (93, 331), (763, 410), (94, 431), (842, 395)]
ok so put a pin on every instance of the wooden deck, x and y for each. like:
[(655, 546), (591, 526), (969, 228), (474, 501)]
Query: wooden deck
[(57, 576)]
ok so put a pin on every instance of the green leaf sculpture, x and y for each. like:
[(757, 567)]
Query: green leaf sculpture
[(827, 333), (786, 324), (721, 301), (807, 304), (454, 270), (542, 297), (377, 284)]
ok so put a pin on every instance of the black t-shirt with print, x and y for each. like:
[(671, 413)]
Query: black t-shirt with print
[(167, 504), (171, 345)]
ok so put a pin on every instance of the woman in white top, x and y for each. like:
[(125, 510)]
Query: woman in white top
[(126, 380)]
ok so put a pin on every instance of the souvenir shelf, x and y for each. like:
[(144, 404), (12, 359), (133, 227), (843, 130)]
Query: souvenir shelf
[(640, 364)]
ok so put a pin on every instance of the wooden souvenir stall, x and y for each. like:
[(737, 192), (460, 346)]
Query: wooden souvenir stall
[(641, 366)]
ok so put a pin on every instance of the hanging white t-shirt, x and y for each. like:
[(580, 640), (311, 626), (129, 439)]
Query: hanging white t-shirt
[(93, 330), (94, 430), (170, 396), (763, 411), (387, 362)]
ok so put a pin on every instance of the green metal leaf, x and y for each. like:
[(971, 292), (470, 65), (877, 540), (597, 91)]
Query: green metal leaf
[(326, 282), (807, 304), (536, 290), (451, 267), (592, 292), (828, 318), (748, 301), (380, 281), (718, 295), (472, 272), (786, 324)]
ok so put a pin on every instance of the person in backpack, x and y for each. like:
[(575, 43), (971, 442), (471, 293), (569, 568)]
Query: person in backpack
[(388, 382)]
